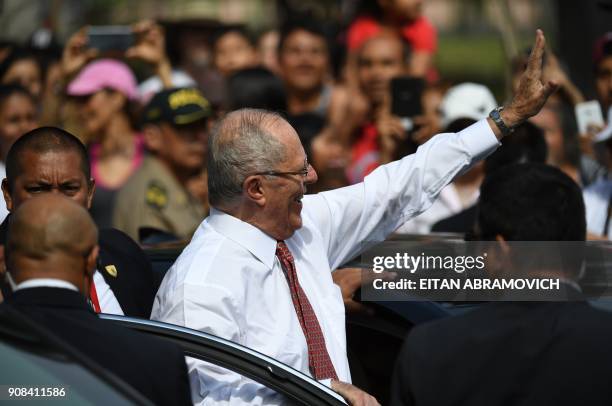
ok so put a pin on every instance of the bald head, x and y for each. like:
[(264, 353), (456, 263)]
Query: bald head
[(47, 234), (243, 143), (240, 122)]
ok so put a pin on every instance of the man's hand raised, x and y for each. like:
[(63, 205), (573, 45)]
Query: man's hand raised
[(151, 47), (76, 54), (532, 92)]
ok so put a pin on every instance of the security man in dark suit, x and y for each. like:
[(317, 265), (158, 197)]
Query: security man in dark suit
[(516, 353), (51, 256), (51, 160)]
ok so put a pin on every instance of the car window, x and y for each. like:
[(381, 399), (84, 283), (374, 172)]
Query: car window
[(26, 371)]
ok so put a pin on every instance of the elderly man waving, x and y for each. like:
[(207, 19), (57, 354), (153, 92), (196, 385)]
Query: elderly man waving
[(258, 269)]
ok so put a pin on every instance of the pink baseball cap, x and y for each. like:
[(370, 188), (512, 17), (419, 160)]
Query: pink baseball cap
[(104, 74)]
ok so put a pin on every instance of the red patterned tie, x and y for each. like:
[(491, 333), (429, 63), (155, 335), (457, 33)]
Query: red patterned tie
[(319, 363)]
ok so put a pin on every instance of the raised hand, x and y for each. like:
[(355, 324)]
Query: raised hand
[(150, 43), (532, 91), (554, 72), (150, 47), (390, 130), (76, 53)]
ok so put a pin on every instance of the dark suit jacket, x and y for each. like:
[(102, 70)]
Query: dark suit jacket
[(504, 353), (154, 368), (125, 268), (461, 222)]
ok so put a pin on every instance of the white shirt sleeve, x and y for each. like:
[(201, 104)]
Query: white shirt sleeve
[(353, 218)]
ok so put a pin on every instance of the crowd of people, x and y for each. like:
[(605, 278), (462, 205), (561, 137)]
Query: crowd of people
[(344, 112), (276, 181)]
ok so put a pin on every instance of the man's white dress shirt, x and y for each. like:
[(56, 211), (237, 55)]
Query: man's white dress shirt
[(107, 299), (448, 203), (45, 283), (228, 281)]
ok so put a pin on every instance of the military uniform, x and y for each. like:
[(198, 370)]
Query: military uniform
[(153, 198)]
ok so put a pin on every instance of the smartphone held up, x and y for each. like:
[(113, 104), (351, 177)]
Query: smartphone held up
[(110, 38), (406, 94)]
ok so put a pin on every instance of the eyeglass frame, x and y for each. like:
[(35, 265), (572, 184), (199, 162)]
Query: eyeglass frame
[(303, 172)]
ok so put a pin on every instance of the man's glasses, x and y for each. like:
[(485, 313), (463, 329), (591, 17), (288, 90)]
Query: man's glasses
[(303, 172)]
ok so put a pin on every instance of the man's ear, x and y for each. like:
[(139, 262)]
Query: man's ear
[(91, 189), (153, 137), (7, 195), (253, 189)]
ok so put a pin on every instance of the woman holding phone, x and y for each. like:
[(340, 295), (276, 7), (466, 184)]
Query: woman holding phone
[(106, 98)]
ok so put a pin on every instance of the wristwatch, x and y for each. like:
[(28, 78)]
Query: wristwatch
[(495, 115)]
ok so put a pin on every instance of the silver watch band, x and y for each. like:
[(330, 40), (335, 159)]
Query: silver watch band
[(495, 115)]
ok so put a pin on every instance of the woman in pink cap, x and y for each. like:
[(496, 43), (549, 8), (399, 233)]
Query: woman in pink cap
[(106, 91)]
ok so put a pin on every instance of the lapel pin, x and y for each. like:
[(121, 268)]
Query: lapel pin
[(112, 271)]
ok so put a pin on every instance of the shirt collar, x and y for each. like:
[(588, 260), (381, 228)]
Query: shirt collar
[(258, 243), (45, 282)]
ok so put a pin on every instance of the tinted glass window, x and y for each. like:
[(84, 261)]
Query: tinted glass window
[(25, 367)]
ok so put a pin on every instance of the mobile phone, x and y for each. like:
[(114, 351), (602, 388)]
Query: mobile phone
[(110, 37), (406, 94), (588, 114)]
